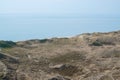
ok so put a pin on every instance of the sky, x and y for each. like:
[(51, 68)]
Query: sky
[(61, 7), (29, 19)]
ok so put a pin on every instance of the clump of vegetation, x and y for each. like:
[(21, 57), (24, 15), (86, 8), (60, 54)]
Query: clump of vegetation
[(7, 44), (43, 40), (69, 57), (67, 70), (111, 53), (105, 40), (106, 77), (96, 43)]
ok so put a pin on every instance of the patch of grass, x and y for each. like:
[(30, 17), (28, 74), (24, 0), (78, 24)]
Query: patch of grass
[(69, 57), (111, 53)]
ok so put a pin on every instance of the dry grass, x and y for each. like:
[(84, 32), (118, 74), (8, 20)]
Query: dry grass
[(71, 56), (110, 53)]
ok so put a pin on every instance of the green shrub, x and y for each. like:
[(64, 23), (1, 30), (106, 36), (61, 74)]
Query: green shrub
[(43, 40), (7, 44), (97, 43)]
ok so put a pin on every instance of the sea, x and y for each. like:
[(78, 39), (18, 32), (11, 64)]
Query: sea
[(31, 26)]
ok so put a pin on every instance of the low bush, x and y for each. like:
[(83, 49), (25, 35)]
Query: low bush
[(7, 44), (96, 43), (105, 40)]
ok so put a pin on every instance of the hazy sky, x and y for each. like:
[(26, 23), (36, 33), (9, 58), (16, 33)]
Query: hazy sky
[(51, 7), (28, 19)]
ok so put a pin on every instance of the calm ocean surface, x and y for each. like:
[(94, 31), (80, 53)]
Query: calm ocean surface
[(13, 26)]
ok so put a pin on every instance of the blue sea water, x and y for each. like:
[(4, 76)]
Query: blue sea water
[(24, 27)]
